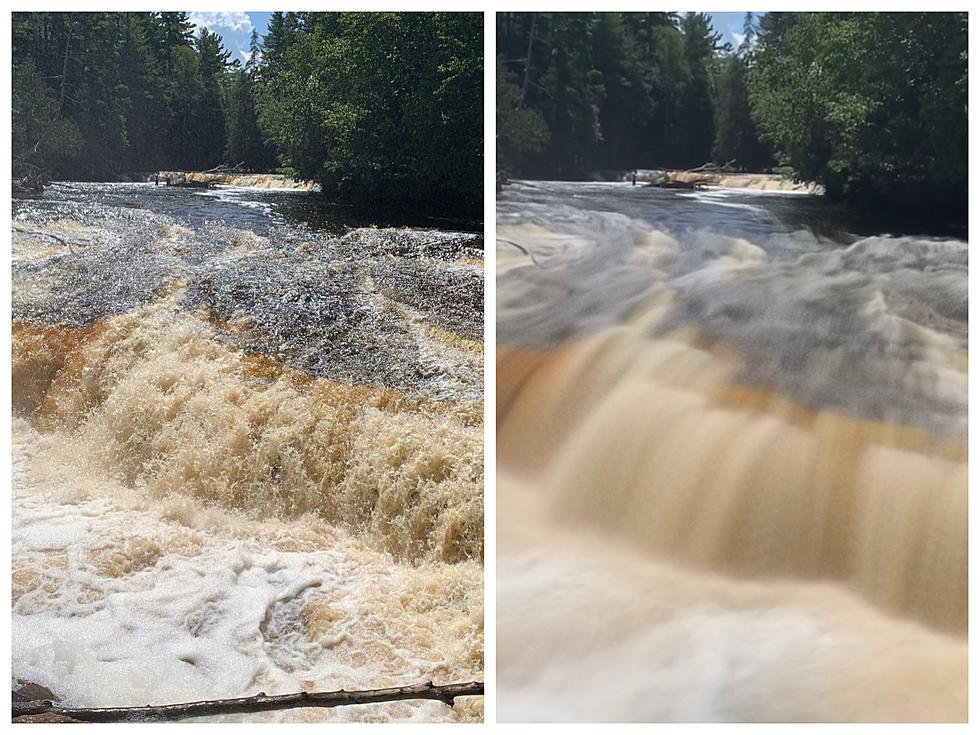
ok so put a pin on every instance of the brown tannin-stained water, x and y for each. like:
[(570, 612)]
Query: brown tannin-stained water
[(732, 478), (248, 451)]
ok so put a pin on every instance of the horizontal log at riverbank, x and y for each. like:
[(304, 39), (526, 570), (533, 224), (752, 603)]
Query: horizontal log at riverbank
[(446, 693)]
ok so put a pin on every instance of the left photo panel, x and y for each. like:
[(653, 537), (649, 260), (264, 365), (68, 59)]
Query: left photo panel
[(247, 367)]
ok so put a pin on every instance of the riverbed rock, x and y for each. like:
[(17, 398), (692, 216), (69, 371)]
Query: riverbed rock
[(28, 691), (46, 717)]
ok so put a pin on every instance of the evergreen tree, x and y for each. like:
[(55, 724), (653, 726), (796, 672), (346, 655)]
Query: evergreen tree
[(41, 139), (616, 90), (213, 60), (245, 145), (736, 138), (377, 107)]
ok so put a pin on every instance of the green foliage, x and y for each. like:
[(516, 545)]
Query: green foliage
[(521, 132), (736, 138), (871, 105), (245, 144), (615, 91), (375, 106), (41, 140), (140, 90), (380, 106)]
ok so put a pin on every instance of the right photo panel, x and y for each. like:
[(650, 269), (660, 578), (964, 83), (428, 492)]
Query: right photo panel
[(732, 319)]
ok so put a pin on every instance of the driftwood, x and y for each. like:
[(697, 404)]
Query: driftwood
[(194, 184), (674, 184), (224, 168), (28, 179), (187, 184), (523, 249), (711, 166), (446, 693), (669, 180)]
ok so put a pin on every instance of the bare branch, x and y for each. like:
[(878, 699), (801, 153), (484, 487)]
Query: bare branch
[(523, 249), (245, 705)]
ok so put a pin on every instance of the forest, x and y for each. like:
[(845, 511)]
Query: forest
[(375, 107), (872, 106)]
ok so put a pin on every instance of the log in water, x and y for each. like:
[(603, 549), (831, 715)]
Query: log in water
[(247, 452), (731, 462)]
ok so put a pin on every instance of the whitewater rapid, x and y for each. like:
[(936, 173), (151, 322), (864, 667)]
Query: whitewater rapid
[(247, 454), (731, 464)]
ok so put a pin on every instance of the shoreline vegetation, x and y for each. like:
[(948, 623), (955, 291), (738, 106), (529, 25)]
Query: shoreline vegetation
[(376, 108), (869, 107)]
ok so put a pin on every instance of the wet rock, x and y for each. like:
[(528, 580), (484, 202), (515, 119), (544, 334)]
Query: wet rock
[(28, 691), (47, 717)]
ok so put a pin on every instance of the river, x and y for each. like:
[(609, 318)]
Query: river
[(731, 459), (248, 450)]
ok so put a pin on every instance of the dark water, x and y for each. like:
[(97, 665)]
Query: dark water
[(249, 208), (734, 212)]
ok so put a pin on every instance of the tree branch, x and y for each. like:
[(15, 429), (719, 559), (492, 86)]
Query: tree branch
[(523, 249), (259, 703)]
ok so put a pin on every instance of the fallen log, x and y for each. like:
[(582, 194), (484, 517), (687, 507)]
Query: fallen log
[(197, 184), (28, 181), (261, 702), (188, 184), (224, 168), (674, 184)]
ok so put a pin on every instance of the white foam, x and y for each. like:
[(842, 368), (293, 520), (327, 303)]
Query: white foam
[(119, 602)]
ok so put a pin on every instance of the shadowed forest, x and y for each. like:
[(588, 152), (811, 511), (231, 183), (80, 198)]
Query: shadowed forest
[(872, 106), (372, 106)]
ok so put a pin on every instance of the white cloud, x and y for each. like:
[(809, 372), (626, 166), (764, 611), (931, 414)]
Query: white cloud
[(739, 37), (235, 21)]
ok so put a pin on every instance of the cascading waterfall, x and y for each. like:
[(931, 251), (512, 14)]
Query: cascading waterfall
[(247, 456), (731, 464)]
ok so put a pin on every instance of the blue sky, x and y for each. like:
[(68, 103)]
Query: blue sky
[(236, 27), (730, 26)]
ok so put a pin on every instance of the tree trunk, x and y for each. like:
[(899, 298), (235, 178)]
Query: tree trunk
[(527, 62)]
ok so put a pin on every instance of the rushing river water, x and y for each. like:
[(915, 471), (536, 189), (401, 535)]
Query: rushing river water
[(248, 450), (732, 480)]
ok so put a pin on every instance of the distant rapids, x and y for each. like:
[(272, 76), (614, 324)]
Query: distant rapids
[(248, 450), (732, 478)]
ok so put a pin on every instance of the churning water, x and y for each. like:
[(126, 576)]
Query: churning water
[(731, 448), (247, 451)]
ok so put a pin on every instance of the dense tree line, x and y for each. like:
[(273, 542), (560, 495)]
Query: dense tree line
[(581, 92), (871, 105), (104, 93), (374, 106), (379, 105)]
